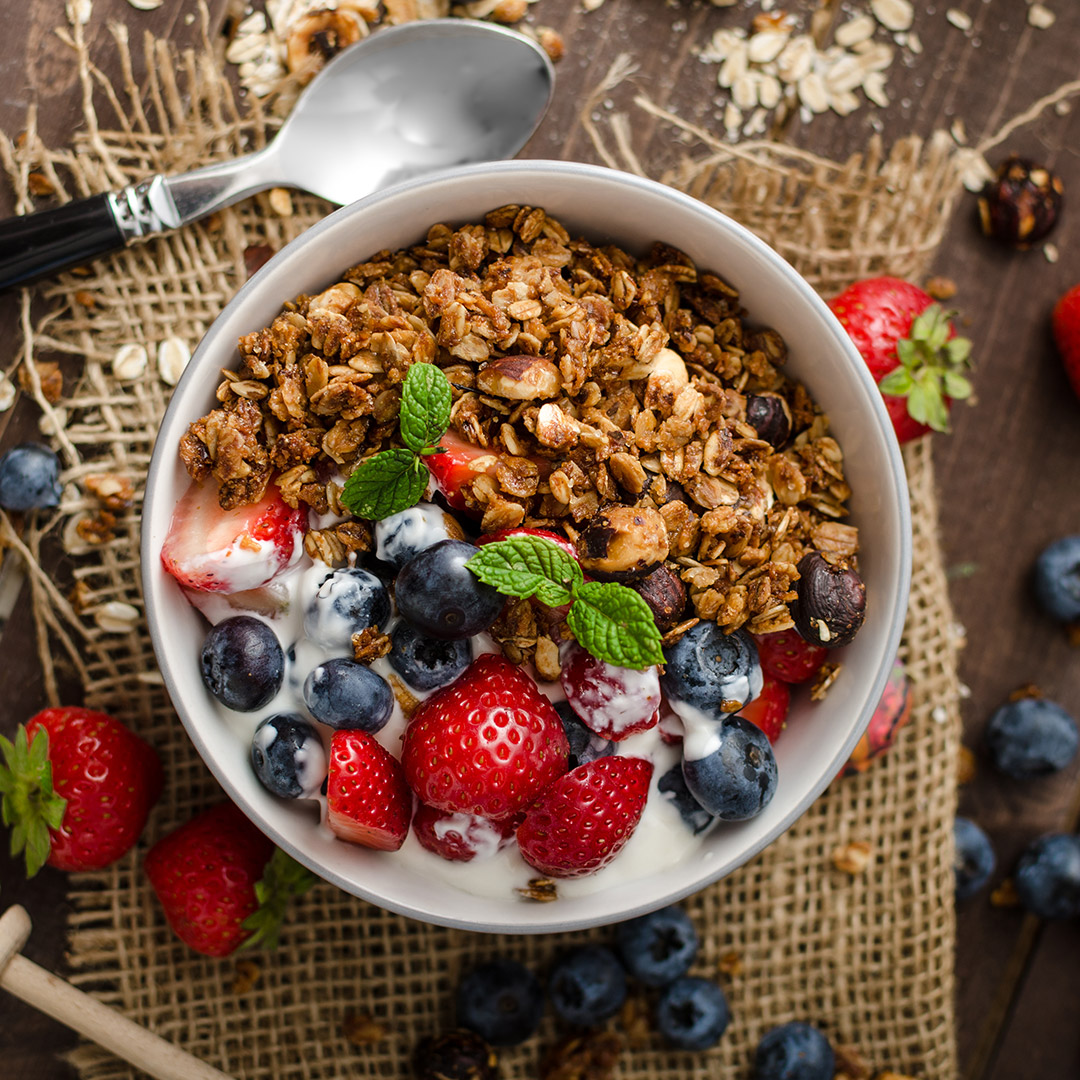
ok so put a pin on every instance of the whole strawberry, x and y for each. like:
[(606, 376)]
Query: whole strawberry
[(789, 657), (487, 744), (222, 883), (586, 817), (911, 349), (1066, 326), (77, 788)]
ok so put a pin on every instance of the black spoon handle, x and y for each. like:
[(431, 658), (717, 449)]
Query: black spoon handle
[(41, 244)]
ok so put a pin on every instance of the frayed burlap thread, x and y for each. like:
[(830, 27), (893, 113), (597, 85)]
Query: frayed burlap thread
[(868, 957)]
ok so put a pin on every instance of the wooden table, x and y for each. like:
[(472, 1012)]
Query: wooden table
[(1008, 473)]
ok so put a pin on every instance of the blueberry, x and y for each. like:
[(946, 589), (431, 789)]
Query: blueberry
[(441, 597), (502, 1001), (29, 478), (729, 768), (1047, 877), (673, 786), (587, 986), (706, 670), (347, 601), (974, 858), (1057, 579), (585, 745), (427, 663), (795, 1051), (692, 1013), (659, 947), (242, 663), (1031, 737), (346, 695), (288, 756), (404, 535)]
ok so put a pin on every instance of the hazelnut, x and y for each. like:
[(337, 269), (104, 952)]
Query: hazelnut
[(665, 594), (318, 36), (831, 602), (1022, 204), (622, 543), (519, 378), (770, 416)]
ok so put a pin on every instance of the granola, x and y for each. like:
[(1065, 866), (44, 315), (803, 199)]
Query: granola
[(627, 401)]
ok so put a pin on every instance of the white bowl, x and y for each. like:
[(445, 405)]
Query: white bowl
[(602, 205)]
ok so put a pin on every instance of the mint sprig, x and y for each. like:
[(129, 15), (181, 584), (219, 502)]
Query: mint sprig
[(609, 620), (393, 480)]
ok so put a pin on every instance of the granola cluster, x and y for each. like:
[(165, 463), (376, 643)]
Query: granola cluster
[(597, 380)]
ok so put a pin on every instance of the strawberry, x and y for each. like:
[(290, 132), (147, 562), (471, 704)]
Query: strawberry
[(586, 817), (487, 744), (544, 534), (1065, 322), (911, 349), (205, 873), (460, 837), (77, 788), (614, 702), (893, 711), (770, 708), (789, 657), (368, 801), (457, 463), (228, 551)]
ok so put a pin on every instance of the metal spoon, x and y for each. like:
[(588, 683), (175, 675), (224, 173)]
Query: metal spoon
[(408, 100)]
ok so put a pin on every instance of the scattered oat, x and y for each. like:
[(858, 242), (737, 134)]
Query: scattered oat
[(49, 377), (914, 43), (361, 1029), (542, 890), (146, 5), (172, 357), (1041, 17), (852, 858), (730, 964), (960, 19), (117, 617), (1063, 108), (150, 678), (893, 14), (1005, 895), (1051, 253), (280, 202), (79, 11), (591, 5), (52, 423), (941, 288), (958, 131), (248, 972), (409, 704), (975, 170), (850, 1063), (724, 3), (8, 393), (965, 765), (129, 362), (855, 30)]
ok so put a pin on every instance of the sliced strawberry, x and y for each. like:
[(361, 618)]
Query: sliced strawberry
[(457, 463), (367, 798), (460, 837), (612, 701), (487, 744), (229, 551), (770, 708), (586, 817), (789, 657)]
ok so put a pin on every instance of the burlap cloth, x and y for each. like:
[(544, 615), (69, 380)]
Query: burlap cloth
[(869, 957)]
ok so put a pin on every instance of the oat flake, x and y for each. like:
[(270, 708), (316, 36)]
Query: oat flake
[(173, 356), (146, 5), (1041, 17), (854, 31), (281, 202), (53, 423), (812, 93), (1051, 253), (7, 393), (893, 14), (117, 617), (766, 46), (960, 19), (130, 361)]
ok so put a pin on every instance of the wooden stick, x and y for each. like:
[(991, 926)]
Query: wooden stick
[(88, 1016)]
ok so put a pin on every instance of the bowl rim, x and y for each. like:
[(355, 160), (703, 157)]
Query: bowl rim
[(709, 217)]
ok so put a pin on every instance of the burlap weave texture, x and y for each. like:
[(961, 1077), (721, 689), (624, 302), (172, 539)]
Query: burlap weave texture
[(869, 957)]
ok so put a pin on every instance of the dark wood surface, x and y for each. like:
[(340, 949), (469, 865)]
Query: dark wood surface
[(1007, 474)]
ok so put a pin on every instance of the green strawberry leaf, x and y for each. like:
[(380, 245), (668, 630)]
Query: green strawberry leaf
[(898, 382), (283, 879), (615, 624), (385, 484), (957, 386), (908, 352), (29, 804), (425, 407), (524, 566)]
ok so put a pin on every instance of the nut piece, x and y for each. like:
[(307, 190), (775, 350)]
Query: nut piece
[(519, 378), (770, 416), (1022, 204), (665, 594), (318, 36), (831, 602), (852, 858), (623, 542)]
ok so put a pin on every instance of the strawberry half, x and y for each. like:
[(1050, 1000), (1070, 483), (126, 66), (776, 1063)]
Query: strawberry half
[(487, 744), (911, 349), (457, 463), (586, 817), (228, 551), (368, 801), (1065, 322), (770, 708), (789, 657), (77, 788), (205, 874), (460, 837)]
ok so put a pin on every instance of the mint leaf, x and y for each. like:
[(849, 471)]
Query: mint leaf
[(425, 406), (524, 566), (615, 624), (385, 484)]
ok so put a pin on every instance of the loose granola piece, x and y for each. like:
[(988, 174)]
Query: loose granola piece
[(592, 1056), (247, 977), (852, 858), (542, 890), (850, 1063), (113, 491), (730, 964), (825, 677), (361, 1029), (370, 644), (965, 766)]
